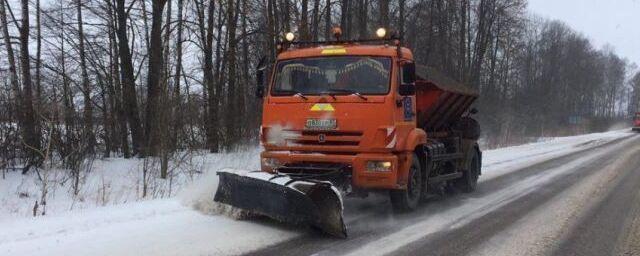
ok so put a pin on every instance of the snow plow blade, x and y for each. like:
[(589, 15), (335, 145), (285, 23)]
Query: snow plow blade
[(300, 202)]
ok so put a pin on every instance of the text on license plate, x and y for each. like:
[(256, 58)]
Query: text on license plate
[(320, 124)]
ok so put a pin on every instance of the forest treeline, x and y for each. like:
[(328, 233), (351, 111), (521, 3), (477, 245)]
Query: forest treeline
[(152, 77)]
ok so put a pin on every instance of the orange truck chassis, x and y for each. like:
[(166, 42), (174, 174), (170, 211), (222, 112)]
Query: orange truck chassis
[(352, 117)]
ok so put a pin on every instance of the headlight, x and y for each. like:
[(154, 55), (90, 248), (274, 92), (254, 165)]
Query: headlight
[(379, 166)]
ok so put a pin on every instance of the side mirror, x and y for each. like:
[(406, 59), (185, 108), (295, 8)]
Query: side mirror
[(408, 79), (409, 73), (260, 77), (407, 89)]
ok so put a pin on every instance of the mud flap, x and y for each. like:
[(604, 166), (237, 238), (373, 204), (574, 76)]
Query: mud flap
[(314, 203)]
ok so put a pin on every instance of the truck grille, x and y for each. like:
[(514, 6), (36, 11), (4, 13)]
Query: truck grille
[(325, 138)]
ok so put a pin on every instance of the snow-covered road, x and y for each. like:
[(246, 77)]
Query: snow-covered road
[(184, 226)]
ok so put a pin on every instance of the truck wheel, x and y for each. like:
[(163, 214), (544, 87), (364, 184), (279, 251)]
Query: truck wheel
[(469, 180), (408, 199)]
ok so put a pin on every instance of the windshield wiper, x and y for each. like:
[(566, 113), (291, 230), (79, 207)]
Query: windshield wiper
[(352, 92), (293, 92), (333, 95)]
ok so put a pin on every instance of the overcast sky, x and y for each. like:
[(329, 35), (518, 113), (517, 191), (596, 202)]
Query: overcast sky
[(614, 22)]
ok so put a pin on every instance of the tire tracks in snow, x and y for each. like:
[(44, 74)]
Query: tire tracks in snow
[(380, 226), (539, 231), (609, 226)]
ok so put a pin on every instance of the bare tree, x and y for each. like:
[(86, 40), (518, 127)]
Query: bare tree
[(31, 133), (128, 81), (13, 74), (154, 80), (88, 134)]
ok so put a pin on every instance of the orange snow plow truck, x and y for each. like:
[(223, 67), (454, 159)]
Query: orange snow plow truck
[(347, 118)]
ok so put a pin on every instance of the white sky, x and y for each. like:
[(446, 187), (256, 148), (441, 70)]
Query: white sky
[(613, 22)]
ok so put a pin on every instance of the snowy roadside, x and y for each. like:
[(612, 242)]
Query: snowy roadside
[(187, 224), (157, 227), (114, 181), (500, 161)]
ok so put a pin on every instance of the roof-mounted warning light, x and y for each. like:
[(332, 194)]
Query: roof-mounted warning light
[(290, 36), (381, 33)]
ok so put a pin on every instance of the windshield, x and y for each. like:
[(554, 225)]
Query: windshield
[(333, 75)]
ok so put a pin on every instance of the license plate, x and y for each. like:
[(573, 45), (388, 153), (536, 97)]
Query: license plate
[(321, 124)]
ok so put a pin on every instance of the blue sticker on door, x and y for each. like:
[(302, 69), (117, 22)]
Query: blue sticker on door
[(408, 108)]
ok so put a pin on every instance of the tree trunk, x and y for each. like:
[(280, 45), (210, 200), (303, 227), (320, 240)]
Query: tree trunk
[(128, 80), (327, 21), (38, 104), (67, 98), (316, 20), (286, 14), (209, 80), (242, 89), (345, 18), (154, 78), (177, 108), (401, 18), (31, 133), (485, 22), (88, 136), (304, 21), (384, 13), (272, 27), (232, 91), (362, 19), (13, 74), (121, 116)]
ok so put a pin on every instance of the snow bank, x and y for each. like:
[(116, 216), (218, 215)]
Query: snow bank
[(500, 161), (115, 181), (156, 227)]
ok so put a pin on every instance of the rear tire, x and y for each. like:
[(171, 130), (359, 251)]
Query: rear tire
[(469, 180), (408, 199)]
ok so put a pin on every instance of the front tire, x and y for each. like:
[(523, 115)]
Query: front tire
[(407, 199)]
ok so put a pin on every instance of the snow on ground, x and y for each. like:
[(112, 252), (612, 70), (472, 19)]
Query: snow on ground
[(188, 223), (157, 227), (114, 181), (497, 162)]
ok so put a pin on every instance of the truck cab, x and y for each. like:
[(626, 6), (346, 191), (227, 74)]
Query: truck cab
[(340, 107), (356, 114)]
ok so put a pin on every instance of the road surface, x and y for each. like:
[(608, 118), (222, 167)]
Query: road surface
[(584, 203)]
